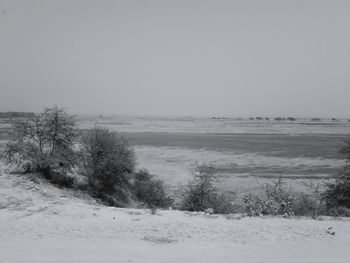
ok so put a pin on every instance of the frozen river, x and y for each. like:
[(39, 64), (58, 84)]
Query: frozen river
[(245, 153)]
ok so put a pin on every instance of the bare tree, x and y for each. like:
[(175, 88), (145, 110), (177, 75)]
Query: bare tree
[(201, 192), (42, 143)]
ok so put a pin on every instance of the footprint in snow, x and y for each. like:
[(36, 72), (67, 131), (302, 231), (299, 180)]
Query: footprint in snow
[(330, 231)]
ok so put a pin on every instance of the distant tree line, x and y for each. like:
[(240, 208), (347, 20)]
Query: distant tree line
[(11, 114)]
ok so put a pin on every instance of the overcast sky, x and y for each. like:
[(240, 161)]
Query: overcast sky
[(176, 57)]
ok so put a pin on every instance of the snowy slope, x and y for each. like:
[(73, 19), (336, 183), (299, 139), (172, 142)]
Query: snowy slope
[(42, 223)]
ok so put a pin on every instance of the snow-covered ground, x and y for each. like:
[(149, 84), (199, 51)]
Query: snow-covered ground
[(236, 172), (42, 223)]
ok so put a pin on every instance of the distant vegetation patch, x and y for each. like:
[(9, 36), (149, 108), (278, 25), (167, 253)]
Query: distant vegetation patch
[(11, 114), (316, 119)]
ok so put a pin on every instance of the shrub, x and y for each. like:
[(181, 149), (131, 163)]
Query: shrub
[(316, 119), (42, 143), (280, 199), (346, 150), (253, 205), (200, 190), (222, 204), (150, 191), (337, 193), (108, 161), (63, 180), (275, 200), (309, 203), (305, 205), (201, 194)]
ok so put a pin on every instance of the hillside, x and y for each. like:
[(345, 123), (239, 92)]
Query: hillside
[(42, 223)]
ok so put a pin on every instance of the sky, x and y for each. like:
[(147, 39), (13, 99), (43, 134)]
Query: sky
[(183, 57)]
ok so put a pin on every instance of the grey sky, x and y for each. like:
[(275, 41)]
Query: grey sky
[(176, 57)]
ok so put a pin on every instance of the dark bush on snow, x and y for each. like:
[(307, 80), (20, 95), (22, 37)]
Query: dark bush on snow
[(201, 195), (337, 193), (63, 180), (108, 161), (150, 190), (222, 204), (307, 205)]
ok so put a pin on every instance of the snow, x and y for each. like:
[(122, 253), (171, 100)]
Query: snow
[(240, 172), (43, 223)]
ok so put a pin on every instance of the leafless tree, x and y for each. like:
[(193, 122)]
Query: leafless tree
[(42, 143)]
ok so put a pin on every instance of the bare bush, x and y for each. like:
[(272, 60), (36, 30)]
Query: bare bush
[(253, 205), (309, 203), (337, 193), (346, 150), (64, 180), (222, 204), (201, 194), (150, 190), (277, 199), (280, 198)]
